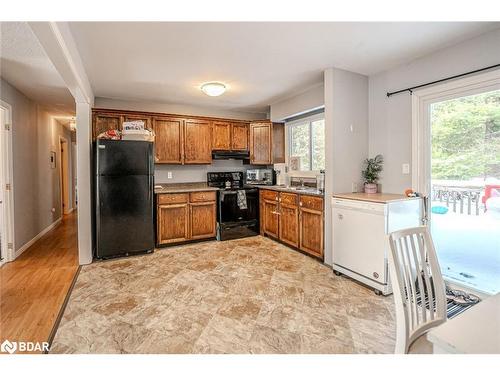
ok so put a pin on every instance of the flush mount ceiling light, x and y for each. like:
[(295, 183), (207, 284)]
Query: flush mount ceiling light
[(213, 88)]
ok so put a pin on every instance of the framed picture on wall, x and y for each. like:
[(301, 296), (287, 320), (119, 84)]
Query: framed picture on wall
[(52, 159)]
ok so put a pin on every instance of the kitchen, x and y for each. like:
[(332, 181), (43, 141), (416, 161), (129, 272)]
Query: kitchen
[(229, 204), (249, 215)]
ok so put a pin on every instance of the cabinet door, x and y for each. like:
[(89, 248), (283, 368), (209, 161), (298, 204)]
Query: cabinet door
[(173, 223), (311, 231), (105, 121), (270, 218), (289, 219), (239, 136), (221, 135), (260, 143), (168, 140), (278, 143), (202, 220), (148, 121), (197, 142)]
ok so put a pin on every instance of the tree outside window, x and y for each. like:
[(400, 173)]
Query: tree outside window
[(307, 141)]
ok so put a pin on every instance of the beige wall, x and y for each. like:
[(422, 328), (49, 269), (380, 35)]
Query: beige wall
[(305, 101), (390, 118), (36, 186), (175, 109)]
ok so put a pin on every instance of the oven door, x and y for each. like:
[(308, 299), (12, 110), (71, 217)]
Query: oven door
[(231, 213)]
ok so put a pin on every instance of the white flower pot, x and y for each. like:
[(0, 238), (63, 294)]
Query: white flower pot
[(370, 188)]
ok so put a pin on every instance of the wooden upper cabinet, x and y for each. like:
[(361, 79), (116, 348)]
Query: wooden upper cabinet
[(221, 135), (197, 142), (148, 120), (278, 143), (267, 143), (239, 136), (106, 121), (169, 140), (260, 143)]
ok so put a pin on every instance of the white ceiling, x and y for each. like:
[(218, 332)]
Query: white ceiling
[(261, 62), (24, 64)]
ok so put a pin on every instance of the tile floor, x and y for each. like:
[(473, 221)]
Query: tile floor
[(250, 295)]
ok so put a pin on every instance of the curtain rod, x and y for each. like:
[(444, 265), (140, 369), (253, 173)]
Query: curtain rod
[(410, 89)]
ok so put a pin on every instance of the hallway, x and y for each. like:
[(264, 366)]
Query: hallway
[(34, 286)]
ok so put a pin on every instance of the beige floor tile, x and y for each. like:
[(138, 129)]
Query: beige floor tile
[(251, 295)]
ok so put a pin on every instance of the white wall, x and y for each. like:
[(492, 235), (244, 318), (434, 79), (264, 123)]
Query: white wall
[(346, 137), (305, 101), (179, 109), (36, 186), (390, 118)]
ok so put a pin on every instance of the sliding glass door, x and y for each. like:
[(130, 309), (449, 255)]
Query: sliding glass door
[(461, 174)]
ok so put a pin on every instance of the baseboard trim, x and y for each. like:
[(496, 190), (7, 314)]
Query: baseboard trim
[(28, 244)]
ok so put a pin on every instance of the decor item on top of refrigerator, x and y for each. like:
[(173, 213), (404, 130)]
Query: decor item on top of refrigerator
[(124, 181)]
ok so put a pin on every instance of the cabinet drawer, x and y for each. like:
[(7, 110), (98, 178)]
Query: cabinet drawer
[(269, 195), (172, 198), (313, 203), (289, 199), (202, 196)]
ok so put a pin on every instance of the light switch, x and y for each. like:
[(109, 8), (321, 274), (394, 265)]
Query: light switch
[(169, 174), (406, 168)]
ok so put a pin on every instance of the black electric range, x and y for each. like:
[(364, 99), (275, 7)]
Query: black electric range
[(237, 206)]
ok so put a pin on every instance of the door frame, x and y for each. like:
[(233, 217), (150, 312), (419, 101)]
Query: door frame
[(421, 132), (7, 177), (64, 177)]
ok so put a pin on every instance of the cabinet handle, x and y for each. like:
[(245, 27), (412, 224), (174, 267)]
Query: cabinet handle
[(275, 213)]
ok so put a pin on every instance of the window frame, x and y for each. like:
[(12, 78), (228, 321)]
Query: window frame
[(289, 125)]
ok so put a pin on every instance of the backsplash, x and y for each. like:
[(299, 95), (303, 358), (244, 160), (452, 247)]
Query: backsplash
[(197, 173)]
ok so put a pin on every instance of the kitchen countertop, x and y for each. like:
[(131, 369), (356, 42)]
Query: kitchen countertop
[(185, 187), (375, 198), (291, 190)]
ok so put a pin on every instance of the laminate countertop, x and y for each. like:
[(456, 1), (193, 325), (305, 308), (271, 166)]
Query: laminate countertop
[(286, 189), (185, 187), (374, 198)]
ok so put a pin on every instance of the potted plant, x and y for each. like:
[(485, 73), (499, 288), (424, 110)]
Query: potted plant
[(373, 167)]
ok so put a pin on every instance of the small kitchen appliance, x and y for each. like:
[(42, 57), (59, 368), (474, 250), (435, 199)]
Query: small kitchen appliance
[(260, 177)]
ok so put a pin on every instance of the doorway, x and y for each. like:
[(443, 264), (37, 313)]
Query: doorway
[(457, 151), (6, 189), (66, 206)]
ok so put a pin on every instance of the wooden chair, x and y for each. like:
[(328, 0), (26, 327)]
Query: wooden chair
[(418, 285)]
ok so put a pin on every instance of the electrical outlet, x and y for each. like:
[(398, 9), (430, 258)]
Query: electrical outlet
[(169, 174), (406, 168), (354, 187)]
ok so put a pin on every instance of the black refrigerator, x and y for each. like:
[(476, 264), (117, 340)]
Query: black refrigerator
[(123, 194)]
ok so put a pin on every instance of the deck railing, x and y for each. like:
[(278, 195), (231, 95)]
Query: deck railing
[(459, 199)]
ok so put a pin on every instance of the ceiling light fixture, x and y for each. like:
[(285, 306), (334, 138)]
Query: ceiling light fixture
[(213, 88)]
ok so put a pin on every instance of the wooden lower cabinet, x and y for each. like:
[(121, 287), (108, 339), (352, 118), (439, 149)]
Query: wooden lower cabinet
[(172, 223), (184, 217), (294, 219), (270, 221), (311, 231), (203, 218), (289, 219)]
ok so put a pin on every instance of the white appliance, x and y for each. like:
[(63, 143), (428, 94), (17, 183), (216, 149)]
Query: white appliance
[(360, 237)]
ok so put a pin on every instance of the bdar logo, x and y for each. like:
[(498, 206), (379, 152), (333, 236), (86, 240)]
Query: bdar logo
[(9, 347)]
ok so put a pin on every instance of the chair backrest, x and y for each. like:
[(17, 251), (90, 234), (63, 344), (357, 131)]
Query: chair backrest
[(418, 285)]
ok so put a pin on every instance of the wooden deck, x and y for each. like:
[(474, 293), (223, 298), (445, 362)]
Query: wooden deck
[(34, 286)]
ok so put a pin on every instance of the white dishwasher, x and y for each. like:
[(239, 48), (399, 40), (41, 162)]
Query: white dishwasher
[(361, 236)]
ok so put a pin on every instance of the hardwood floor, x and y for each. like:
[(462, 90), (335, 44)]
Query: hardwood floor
[(34, 286)]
